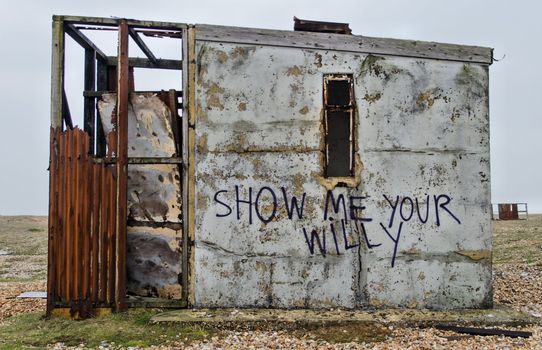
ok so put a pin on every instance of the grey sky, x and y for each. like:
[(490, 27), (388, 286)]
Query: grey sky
[(514, 30)]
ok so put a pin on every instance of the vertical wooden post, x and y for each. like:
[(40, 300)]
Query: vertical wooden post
[(123, 88), (57, 87), (57, 72), (90, 102), (189, 170)]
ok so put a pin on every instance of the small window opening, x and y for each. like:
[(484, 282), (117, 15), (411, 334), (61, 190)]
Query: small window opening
[(339, 125)]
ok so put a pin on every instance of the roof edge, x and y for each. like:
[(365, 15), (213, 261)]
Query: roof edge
[(348, 43)]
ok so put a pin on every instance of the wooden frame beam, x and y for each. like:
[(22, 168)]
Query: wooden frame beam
[(57, 74), (83, 40), (123, 89), (114, 22), (142, 45), (137, 62)]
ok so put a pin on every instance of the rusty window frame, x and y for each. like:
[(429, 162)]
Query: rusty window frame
[(332, 107)]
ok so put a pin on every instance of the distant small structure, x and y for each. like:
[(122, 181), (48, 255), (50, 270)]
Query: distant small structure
[(509, 211)]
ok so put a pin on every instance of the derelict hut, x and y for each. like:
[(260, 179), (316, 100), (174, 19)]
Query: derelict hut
[(302, 170)]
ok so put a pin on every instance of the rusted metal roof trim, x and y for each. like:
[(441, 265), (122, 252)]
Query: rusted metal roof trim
[(347, 43)]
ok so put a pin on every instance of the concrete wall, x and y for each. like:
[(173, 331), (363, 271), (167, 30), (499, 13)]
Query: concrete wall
[(411, 228)]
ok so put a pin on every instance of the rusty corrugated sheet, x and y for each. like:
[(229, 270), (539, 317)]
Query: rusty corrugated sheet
[(508, 211), (82, 234)]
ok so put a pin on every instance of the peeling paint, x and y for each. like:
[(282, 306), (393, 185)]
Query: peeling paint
[(214, 93), (293, 71)]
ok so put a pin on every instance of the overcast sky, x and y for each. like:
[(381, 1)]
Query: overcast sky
[(513, 29)]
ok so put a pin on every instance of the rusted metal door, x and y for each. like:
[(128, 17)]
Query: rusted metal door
[(83, 270)]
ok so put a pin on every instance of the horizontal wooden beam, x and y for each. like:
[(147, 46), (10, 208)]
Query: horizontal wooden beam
[(160, 33), (346, 43), (143, 160), (83, 40), (146, 63), (91, 93), (114, 22)]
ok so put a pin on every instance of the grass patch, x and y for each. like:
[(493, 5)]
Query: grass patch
[(35, 230), (127, 329), (518, 241)]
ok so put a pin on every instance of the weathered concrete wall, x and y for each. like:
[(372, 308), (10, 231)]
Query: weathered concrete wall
[(411, 228), (154, 233)]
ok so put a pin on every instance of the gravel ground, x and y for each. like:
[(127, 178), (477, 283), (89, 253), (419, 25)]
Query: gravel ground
[(516, 286), (10, 305)]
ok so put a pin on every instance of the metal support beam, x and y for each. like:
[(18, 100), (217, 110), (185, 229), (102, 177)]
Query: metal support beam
[(123, 87), (83, 40), (66, 114), (101, 84), (89, 102), (142, 45)]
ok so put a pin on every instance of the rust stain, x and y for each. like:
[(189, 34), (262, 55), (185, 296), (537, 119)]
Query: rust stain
[(475, 255), (293, 71), (425, 98), (222, 57), (373, 97), (421, 276), (298, 180), (203, 203), (411, 251), (329, 183), (304, 110), (242, 106), (242, 52), (202, 144), (213, 98), (202, 117)]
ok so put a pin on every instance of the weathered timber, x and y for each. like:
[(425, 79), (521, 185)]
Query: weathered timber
[(98, 94), (123, 89), (57, 73), (142, 45), (114, 22), (137, 62), (83, 40), (142, 160), (160, 33), (346, 43)]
